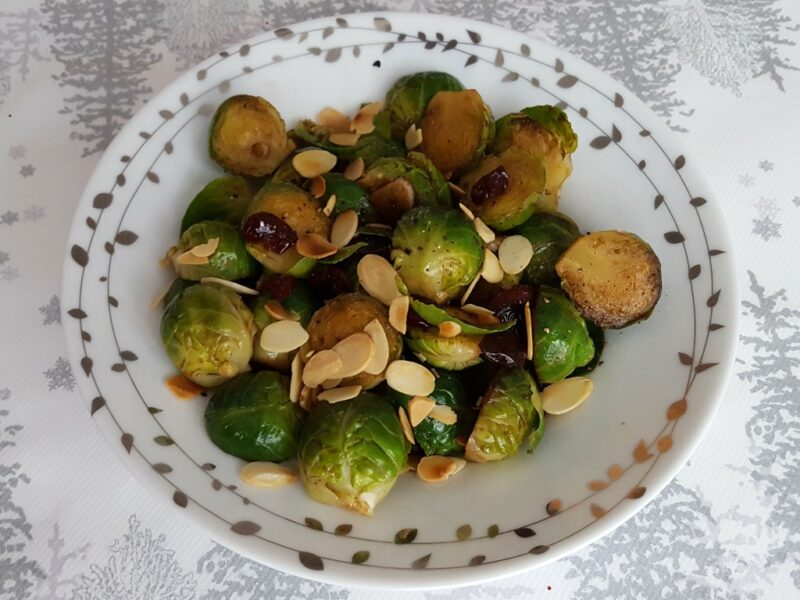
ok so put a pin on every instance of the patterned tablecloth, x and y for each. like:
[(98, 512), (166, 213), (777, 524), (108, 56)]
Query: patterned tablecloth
[(724, 73)]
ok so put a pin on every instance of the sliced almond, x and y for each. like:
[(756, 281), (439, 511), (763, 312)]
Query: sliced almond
[(413, 137), (435, 469), (449, 329), (398, 313), (363, 122), (277, 311), (491, 270), (483, 315), (380, 357), (405, 425), (344, 228), (514, 253), (393, 199), (323, 365), (206, 249), (469, 289), (308, 399), (182, 387), (283, 336), (419, 407), (485, 233), (356, 351), (444, 414), (466, 210), (187, 258), (343, 139), (355, 169), (311, 163), (329, 384), (267, 475), (528, 331), (313, 245), (317, 186), (296, 381), (410, 378), (329, 205), (339, 394), (236, 287), (458, 191), (566, 395), (460, 463), (333, 120), (378, 278)]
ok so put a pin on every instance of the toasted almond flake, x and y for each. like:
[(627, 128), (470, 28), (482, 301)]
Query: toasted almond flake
[(355, 169), (296, 381), (528, 331), (373, 108), (187, 258), (393, 199), (344, 228), (483, 315), (449, 329), (363, 122), (485, 233), (339, 394), (331, 383), (333, 120), (405, 425), (380, 357), (379, 226), (459, 463), (182, 387), (317, 186), (160, 298), (413, 137), (435, 469), (458, 191), (466, 210), (323, 365), (267, 475), (344, 139), (491, 271), (168, 259), (329, 205), (514, 254), (236, 287), (311, 163), (277, 311), (419, 407), (410, 378), (469, 289), (378, 278), (309, 354), (307, 398), (356, 350), (398, 313), (563, 396), (444, 414), (313, 245), (206, 249), (283, 336)]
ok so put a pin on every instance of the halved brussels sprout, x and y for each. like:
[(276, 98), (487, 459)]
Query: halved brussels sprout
[(370, 147), (207, 332), (252, 418), (436, 252), (436, 315), (286, 173), (505, 206), (450, 353), (511, 408), (349, 196), (408, 97), (432, 436), (223, 199), (550, 234), (456, 128), (561, 340), (352, 452), (248, 136), (229, 261), (542, 131), (599, 339)]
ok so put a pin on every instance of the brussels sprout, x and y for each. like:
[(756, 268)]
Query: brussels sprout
[(223, 199), (451, 353), (434, 437), (508, 203), (550, 234), (456, 128), (248, 136), (229, 261), (543, 131), (252, 418), (436, 252), (561, 340), (286, 173), (351, 453), (511, 408), (436, 315), (599, 339), (408, 97), (207, 332), (347, 314), (349, 196), (370, 147)]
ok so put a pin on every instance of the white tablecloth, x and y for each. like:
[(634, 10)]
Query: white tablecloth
[(73, 521)]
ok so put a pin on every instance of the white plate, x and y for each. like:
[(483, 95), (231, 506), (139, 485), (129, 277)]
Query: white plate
[(655, 393)]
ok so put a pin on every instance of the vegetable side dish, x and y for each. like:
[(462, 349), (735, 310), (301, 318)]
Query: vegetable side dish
[(393, 291)]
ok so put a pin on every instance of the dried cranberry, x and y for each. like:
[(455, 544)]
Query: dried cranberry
[(270, 231), (414, 320), (329, 281), (505, 349), (493, 184), (279, 287), (509, 304)]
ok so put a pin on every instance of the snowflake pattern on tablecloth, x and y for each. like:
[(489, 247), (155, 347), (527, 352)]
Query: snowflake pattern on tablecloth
[(9, 217), (765, 165), (482, 592), (4, 257), (796, 200), (767, 207), (9, 274), (33, 213), (59, 376), (27, 171), (57, 584), (746, 180), (51, 311), (766, 228), (17, 152)]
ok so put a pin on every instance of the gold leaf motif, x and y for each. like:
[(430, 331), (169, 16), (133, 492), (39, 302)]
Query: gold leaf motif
[(597, 511), (597, 485), (615, 472), (676, 410), (640, 453), (664, 444)]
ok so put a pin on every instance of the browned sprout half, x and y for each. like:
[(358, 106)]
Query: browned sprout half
[(456, 128), (343, 316), (612, 277), (248, 136)]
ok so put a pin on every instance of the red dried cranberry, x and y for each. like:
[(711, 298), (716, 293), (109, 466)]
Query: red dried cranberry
[(279, 287), (505, 349), (509, 304), (414, 320), (270, 231), (493, 184), (329, 281)]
